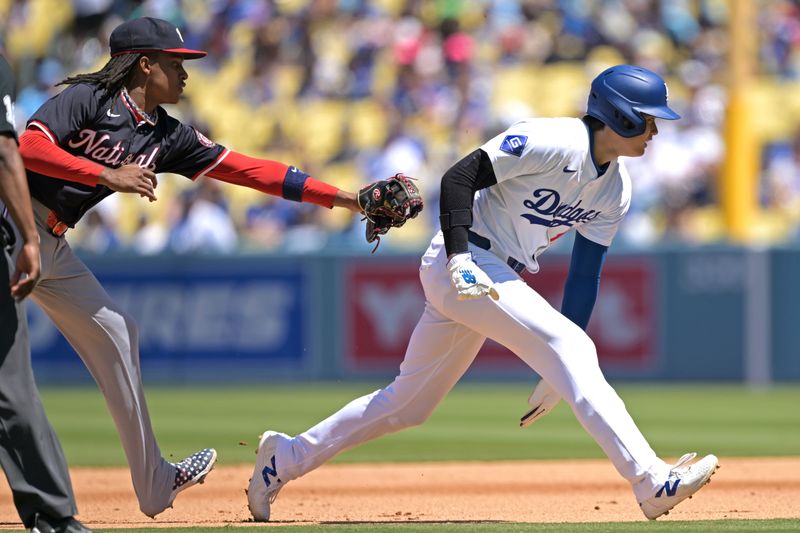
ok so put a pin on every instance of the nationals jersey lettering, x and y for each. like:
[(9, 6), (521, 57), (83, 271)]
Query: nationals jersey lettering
[(547, 183), (85, 122), (97, 150)]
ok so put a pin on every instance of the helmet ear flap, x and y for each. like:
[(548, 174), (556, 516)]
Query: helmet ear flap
[(620, 122), (625, 121)]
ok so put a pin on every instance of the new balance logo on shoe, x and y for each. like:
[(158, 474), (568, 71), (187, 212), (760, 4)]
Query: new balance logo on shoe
[(267, 471), (683, 481), (666, 488), (265, 483)]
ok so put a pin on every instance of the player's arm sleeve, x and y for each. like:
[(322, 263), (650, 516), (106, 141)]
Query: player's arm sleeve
[(41, 155), (459, 183), (193, 155), (583, 280), (274, 178)]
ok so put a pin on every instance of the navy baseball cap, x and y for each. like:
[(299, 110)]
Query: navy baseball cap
[(147, 34)]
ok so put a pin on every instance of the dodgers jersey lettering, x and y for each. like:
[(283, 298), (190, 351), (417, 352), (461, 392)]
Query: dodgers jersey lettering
[(547, 184), (85, 122)]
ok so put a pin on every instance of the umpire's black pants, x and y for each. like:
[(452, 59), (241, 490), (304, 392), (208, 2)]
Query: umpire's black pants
[(30, 453)]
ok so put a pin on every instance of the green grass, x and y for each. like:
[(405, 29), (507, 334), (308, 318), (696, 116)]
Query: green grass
[(475, 422), (708, 526)]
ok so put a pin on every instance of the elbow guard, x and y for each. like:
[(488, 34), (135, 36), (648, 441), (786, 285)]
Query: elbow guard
[(455, 218)]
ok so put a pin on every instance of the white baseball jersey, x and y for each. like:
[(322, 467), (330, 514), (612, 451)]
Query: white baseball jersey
[(547, 184)]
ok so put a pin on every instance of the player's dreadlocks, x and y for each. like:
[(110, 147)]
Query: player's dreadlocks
[(111, 76)]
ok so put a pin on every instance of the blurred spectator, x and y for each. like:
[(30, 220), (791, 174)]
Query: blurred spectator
[(267, 221), (149, 238), (400, 152), (203, 225), (419, 80), (48, 72), (97, 236), (780, 184)]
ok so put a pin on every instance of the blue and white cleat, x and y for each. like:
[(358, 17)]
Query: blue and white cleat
[(684, 480), (266, 481), (189, 472), (193, 470)]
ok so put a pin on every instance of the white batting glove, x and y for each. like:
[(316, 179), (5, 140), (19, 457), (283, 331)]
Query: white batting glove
[(542, 400), (468, 279)]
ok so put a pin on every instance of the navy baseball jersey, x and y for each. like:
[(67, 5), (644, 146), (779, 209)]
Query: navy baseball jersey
[(7, 97), (85, 122)]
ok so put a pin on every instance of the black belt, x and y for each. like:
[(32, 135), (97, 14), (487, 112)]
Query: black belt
[(483, 242)]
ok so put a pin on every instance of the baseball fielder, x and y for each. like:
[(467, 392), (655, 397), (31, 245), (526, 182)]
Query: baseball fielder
[(501, 207), (107, 132), (30, 453)]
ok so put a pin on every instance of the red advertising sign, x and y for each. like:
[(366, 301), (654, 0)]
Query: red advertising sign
[(624, 321), (384, 302)]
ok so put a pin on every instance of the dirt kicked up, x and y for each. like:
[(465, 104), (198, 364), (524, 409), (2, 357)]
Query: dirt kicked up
[(529, 491)]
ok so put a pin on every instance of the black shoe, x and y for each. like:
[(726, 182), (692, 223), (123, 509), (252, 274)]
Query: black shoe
[(45, 524)]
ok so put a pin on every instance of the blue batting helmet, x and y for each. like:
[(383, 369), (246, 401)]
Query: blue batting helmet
[(626, 92)]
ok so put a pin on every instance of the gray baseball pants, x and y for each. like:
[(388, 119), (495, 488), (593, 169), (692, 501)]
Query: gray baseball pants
[(107, 340)]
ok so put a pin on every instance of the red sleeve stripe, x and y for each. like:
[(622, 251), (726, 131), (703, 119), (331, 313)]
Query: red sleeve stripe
[(212, 166), (269, 177), (45, 129)]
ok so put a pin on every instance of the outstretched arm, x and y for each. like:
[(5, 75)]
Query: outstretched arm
[(278, 179)]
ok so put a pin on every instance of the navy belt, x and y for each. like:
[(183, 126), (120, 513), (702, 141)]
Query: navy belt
[(483, 242)]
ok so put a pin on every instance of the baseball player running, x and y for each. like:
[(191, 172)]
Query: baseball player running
[(501, 206), (107, 132), (30, 453)]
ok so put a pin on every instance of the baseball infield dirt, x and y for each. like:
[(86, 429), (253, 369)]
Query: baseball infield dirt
[(532, 491)]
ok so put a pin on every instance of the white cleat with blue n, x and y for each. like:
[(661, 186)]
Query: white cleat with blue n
[(266, 482), (684, 480)]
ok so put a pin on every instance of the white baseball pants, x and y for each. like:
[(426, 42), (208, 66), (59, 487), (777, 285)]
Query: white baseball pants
[(107, 340), (443, 345)]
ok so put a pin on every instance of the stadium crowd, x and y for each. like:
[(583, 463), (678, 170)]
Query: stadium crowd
[(356, 90)]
